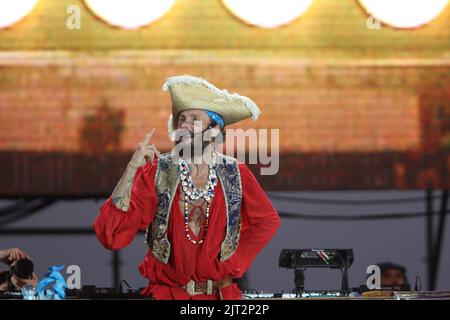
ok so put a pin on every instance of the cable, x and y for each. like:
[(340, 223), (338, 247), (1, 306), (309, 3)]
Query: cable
[(18, 205), (382, 216), (22, 210), (347, 202)]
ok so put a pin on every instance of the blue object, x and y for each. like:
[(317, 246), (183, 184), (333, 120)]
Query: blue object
[(216, 117), (58, 290), (29, 292)]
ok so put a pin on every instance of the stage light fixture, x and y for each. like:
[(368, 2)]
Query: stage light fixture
[(404, 13), (267, 13), (129, 14), (12, 12)]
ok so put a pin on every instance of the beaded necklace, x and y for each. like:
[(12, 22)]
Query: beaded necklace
[(190, 191)]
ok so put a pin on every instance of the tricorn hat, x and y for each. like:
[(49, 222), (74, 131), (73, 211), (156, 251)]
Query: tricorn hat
[(189, 92)]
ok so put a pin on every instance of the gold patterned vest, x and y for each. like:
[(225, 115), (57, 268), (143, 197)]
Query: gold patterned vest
[(166, 183)]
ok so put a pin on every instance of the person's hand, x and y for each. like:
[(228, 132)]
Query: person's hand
[(144, 152), (11, 255)]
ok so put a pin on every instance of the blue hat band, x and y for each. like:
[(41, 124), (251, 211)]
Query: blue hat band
[(217, 118)]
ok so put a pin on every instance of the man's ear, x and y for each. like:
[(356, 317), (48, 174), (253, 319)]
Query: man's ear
[(215, 130), (218, 135)]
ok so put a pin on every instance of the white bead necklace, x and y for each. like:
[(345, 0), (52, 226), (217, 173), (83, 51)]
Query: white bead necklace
[(190, 191)]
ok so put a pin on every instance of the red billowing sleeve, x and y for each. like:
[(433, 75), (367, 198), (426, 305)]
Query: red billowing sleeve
[(115, 228), (260, 222)]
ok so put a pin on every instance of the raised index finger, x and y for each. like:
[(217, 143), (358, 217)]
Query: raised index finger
[(148, 136)]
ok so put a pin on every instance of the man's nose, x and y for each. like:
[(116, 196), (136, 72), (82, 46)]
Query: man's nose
[(185, 125)]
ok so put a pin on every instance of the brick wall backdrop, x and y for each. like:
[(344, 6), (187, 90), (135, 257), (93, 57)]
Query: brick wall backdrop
[(356, 108)]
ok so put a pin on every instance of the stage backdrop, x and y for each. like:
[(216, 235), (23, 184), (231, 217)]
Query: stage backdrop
[(358, 107)]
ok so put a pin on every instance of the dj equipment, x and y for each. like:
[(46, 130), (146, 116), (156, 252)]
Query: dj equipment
[(302, 259), (94, 293)]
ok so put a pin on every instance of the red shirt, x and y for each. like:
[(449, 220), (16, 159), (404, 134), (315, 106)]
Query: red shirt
[(116, 229)]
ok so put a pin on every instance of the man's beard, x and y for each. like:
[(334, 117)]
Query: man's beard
[(195, 148)]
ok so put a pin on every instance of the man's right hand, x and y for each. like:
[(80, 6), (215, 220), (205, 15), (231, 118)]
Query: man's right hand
[(144, 152), (121, 196)]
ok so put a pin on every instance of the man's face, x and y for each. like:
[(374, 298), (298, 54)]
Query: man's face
[(392, 277), (19, 283), (191, 136), (193, 119)]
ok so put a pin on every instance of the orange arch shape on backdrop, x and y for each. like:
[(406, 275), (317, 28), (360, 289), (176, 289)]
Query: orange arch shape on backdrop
[(133, 14)]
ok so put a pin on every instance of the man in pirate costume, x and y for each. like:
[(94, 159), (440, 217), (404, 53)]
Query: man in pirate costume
[(205, 222)]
